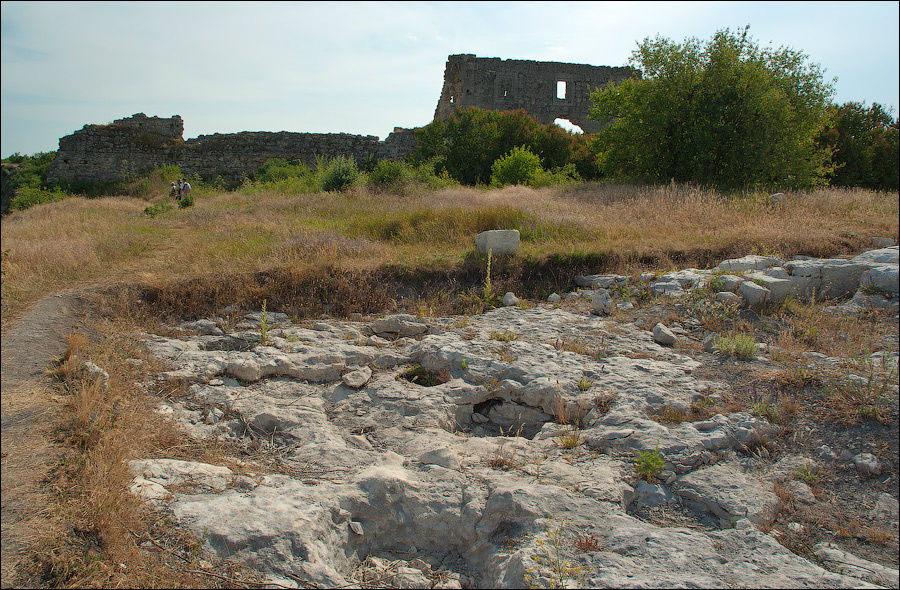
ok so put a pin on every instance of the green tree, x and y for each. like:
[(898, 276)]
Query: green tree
[(471, 140), (864, 142), (725, 113)]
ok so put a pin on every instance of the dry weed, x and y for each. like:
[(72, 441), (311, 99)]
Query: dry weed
[(99, 523), (80, 241)]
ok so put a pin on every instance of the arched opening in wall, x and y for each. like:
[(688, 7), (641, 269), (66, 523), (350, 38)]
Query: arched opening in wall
[(568, 125)]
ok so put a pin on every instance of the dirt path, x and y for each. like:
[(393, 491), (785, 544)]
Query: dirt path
[(30, 413)]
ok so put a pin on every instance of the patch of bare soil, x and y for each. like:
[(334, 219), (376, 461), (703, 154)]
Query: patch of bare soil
[(31, 412)]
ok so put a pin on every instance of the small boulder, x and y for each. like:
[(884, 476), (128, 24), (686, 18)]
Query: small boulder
[(867, 464), (553, 298), (510, 299), (727, 283), (882, 242), (498, 241), (727, 297), (441, 457), (663, 335), (886, 509), (710, 342), (755, 294), (889, 255), (751, 262), (401, 324), (801, 491), (601, 302), (357, 378), (881, 279)]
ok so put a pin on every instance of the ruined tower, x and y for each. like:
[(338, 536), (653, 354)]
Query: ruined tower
[(547, 90)]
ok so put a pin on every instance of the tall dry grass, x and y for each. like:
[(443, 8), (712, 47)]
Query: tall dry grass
[(101, 535), (80, 242)]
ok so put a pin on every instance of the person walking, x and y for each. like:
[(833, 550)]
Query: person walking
[(173, 191), (185, 190)]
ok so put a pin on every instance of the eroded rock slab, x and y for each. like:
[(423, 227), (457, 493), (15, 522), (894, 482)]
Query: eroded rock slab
[(456, 477)]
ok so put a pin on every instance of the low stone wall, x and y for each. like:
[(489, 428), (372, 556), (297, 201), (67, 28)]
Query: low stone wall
[(234, 155), (111, 153), (139, 144)]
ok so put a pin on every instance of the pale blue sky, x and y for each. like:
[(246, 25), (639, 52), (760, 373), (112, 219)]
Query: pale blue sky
[(363, 67)]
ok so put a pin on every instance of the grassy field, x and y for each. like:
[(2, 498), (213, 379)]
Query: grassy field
[(78, 242)]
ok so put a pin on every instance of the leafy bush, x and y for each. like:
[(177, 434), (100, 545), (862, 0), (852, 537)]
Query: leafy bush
[(275, 169), (159, 208), (386, 174), (432, 173), (725, 112), (519, 166), (558, 176), (340, 174), (186, 201), (31, 170), (28, 196)]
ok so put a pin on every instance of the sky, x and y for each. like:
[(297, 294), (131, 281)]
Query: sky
[(364, 67)]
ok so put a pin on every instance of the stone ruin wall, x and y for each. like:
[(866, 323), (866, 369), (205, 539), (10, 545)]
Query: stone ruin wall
[(139, 144), (235, 155), (109, 153), (498, 84)]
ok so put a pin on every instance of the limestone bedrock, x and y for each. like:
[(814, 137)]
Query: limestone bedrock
[(459, 476)]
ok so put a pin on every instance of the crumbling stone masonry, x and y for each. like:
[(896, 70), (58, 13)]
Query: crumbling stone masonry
[(547, 90), (139, 144)]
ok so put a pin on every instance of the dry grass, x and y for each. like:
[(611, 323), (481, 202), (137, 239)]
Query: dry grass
[(78, 242), (583, 346), (503, 459), (99, 525), (603, 401), (809, 326)]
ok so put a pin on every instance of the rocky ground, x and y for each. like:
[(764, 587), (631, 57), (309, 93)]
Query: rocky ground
[(604, 438)]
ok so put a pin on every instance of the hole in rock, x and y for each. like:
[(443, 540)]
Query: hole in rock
[(498, 417), (423, 377)]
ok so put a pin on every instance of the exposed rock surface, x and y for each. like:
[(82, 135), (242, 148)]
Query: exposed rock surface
[(870, 278), (454, 476)]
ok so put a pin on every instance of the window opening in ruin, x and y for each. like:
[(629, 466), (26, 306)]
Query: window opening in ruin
[(452, 99), (561, 89), (568, 125)]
